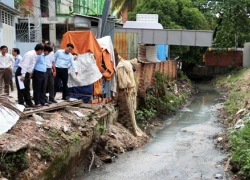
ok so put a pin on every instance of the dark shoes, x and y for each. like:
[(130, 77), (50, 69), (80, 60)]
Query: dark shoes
[(52, 101), (38, 105), (49, 102), (30, 106), (66, 98)]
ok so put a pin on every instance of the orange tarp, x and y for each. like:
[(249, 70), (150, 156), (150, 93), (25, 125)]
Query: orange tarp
[(109, 66), (85, 41)]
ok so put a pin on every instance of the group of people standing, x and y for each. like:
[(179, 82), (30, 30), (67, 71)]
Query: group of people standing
[(46, 69)]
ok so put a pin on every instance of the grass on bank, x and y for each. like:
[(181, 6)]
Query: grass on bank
[(240, 143), (237, 84)]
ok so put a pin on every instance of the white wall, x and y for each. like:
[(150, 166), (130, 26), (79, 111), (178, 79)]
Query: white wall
[(8, 2), (7, 30), (1, 29), (25, 47), (8, 36), (246, 55)]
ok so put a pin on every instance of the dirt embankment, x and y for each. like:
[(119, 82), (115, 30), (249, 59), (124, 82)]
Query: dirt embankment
[(50, 145), (235, 116)]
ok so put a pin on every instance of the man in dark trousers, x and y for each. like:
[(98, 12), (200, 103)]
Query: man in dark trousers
[(6, 64), (24, 72), (63, 60), (49, 76), (39, 78)]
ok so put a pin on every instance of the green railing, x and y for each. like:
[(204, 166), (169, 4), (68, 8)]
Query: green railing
[(84, 7)]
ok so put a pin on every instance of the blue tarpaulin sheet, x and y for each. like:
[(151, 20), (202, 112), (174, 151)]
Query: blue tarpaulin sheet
[(162, 50), (79, 92)]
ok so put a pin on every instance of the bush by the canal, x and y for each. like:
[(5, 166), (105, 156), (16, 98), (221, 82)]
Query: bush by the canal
[(162, 98), (13, 163), (236, 116), (240, 143)]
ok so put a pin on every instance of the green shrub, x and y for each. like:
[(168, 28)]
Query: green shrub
[(182, 76), (46, 152), (240, 144), (159, 99), (13, 163), (102, 129)]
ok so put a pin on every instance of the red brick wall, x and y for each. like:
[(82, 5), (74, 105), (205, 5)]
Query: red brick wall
[(227, 58), (144, 75), (28, 5)]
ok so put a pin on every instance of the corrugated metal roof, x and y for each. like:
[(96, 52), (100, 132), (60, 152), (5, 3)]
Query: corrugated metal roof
[(142, 54), (126, 44)]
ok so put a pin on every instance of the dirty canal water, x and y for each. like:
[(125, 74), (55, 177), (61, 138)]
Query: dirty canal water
[(182, 150)]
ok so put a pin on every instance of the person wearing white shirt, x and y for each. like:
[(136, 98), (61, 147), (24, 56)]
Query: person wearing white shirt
[(24, 71), (6, 63), (50, 75)]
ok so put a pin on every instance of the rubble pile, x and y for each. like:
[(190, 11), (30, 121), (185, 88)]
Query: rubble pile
[(45, 137)]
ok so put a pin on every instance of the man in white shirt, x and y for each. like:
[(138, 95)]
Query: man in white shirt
[(24, 72), (50, 75), (6, 63)]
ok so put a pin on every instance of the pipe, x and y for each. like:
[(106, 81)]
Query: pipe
[(99, 29)]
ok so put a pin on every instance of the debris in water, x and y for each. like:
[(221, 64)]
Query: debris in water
[(219, 139), (185, 109), (240, 111), (218, 176)]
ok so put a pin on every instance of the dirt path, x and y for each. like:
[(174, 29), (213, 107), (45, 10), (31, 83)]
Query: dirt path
[(182, 150)]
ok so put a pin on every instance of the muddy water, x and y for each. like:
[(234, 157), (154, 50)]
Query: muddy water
[(182, 150)]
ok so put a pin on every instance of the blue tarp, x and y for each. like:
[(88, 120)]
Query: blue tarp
[(162, 52), (79, 92), (106, 88)]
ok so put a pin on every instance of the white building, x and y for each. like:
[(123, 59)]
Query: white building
[(7, 23), (51, 19)]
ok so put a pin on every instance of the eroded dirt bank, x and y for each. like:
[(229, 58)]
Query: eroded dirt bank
[(236, 117)]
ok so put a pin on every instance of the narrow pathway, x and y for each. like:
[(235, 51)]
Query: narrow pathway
[(182, 150)]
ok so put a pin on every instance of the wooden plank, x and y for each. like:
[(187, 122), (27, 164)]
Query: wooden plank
[(52, 107)]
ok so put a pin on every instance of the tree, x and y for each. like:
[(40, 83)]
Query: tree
[(124, 5), (18, 3), (229, 19), (176, 14)]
